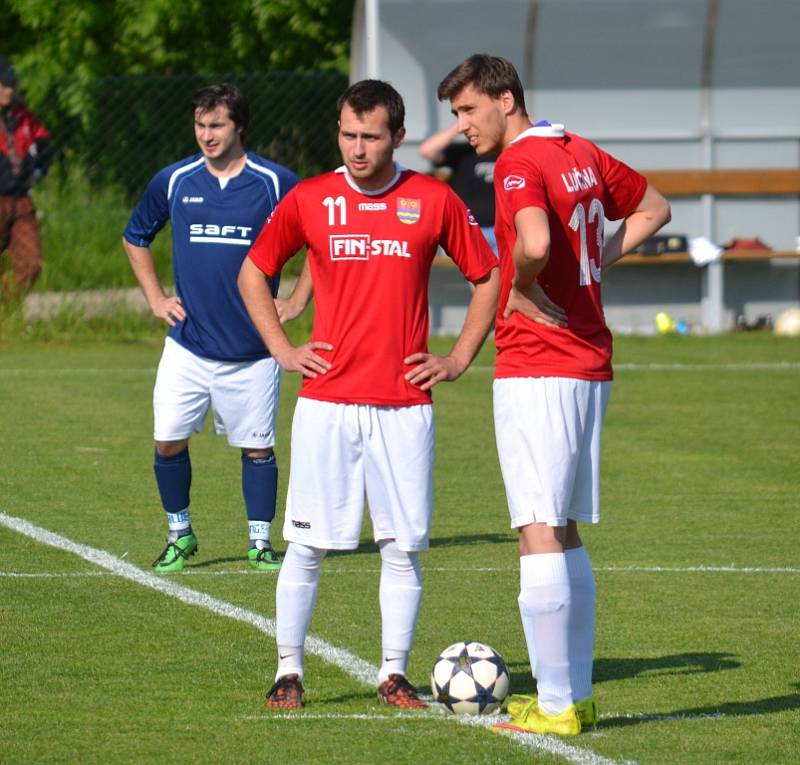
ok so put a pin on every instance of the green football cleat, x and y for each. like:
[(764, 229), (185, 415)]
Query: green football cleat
[(566, 723), (520, 706), (264, 558), (174, 556)]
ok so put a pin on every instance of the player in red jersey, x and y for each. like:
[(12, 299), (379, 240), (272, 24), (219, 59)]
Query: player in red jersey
[(553, 191), (363, 421)]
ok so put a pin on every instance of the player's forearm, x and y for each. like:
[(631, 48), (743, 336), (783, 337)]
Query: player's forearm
[(144, 269), (303, 290), (258, 301), (652, 213), (433, 147), (480, 314)]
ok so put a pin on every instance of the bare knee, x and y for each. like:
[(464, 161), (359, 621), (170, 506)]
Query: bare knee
[(537, 538), (257, 454), (171, 448)]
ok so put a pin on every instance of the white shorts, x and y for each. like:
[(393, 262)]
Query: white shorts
[(341, 451), (243, 395), (548, 442)]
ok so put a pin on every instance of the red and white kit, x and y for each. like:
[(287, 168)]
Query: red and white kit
[(552, 383), (579, 186), (370, 258), (361, 427)]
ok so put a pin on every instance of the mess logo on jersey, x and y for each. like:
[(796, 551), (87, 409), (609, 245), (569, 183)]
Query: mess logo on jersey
[(408, 210), (512, 182)]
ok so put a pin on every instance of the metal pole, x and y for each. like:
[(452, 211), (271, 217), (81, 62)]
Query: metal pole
[(372, 23)]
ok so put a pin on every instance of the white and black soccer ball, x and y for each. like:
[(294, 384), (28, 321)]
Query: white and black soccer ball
[(470, 678)]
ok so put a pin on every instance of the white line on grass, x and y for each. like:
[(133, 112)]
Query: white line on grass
[(755, 366), (351, 664), (731, 569)]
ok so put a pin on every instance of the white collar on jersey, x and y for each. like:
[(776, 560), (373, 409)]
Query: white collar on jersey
[(542, 129), (398, 168)]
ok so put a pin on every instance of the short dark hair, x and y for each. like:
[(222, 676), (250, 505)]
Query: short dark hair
[(367, 95), (491, 75), (224, 94)]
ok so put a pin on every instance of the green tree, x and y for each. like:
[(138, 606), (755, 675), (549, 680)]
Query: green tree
[(74, 43)]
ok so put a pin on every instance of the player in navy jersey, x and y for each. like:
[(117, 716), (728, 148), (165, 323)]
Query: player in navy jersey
[(217, 202)]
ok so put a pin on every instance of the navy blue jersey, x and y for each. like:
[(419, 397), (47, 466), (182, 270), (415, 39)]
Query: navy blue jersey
[(212, 230)]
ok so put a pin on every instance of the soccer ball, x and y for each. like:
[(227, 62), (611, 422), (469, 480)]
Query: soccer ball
[(788, 323), (470, 678)]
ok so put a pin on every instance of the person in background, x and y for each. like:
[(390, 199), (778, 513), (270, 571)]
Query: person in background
[(24, 158), (217, 202), (469, 174)]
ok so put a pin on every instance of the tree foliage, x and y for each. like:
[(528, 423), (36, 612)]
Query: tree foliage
[(78, 42), (112, 79)]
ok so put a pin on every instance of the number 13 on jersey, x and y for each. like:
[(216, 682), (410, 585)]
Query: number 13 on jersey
[(580, 220)]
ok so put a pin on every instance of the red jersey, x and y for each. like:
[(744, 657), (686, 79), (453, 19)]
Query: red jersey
[(578, 185), (370, 256), (22, 150)]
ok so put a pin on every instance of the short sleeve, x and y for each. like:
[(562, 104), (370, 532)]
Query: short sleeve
[(463, 240), (150, 215), (519, 183), (280, 238), (625, 187)]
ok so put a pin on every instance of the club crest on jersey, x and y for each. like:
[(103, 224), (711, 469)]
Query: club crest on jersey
[(408, 210), (511, 182)]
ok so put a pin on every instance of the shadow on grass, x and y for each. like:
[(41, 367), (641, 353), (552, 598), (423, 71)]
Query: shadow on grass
[(216, 562), (370, 548), (465, 540), (772, 705), (627, 669)]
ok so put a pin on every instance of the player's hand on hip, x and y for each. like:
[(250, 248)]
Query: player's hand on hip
[(430, 369), (534, 304), (171, 310), (303, 359), (287, 310)]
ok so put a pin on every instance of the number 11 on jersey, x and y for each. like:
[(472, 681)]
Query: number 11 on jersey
[(333, 204)]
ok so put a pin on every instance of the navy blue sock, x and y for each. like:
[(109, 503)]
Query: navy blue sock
[(174, 479), (260, 490)]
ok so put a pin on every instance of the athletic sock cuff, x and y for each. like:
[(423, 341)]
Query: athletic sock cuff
[(544, 568)]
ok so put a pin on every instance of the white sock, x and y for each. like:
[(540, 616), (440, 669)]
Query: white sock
[(581, 628), (290, 660), (393, 662), (178, 523), (259, 532), (400, 598), (295, 598), (545, 606)]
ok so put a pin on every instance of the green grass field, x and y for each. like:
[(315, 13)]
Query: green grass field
[(696, 564)]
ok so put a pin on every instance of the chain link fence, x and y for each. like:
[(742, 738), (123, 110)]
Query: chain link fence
[(109, 138), (131, 126)]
